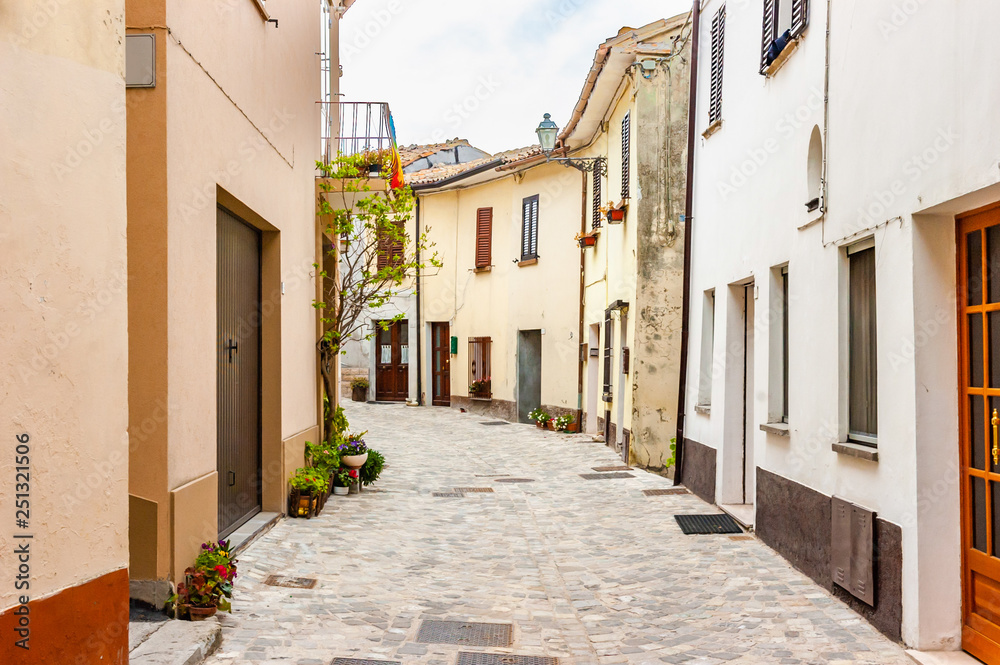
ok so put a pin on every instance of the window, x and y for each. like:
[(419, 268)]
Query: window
[(529, 228), (784, 20), (391, 244), (863, 379), (484, 237), (718, 46), (609, 335), (596, 223), (626, 154), (707, 349), (480, 381), (784, 344)]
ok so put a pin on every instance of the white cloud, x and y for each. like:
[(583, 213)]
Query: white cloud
[(482, 70)]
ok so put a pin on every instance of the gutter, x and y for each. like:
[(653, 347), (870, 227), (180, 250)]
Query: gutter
[(496, 163), (420, 332), (688, 206), (588, 87)]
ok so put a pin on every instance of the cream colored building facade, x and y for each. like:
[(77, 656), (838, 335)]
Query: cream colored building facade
[(63, 343)]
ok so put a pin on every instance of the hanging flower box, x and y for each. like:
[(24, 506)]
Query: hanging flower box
[(586, 239), (616, 212)]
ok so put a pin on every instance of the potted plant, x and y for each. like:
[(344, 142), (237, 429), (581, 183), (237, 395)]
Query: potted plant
[(564, 423), (342, 482), (586, 239), (359, 389), (539, 416), (372, 468), (307, 486), (353, 451), (616, 213), (208, 584), (481, 389)]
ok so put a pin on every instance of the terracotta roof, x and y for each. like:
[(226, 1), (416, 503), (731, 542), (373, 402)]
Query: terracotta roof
[(411, 153), (446, 171)]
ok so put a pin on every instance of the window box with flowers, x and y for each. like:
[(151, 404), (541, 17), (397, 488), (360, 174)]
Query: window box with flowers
[(616, 212), (481, 389), (587, 239)]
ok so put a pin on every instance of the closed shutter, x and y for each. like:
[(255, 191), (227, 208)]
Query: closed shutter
[(529, 228), (597, 199), (718, 38), (609, 331), (384, 247), (800, 16), (390, 246), (396, 247), (626, 154), (769, 32), (484, 237)]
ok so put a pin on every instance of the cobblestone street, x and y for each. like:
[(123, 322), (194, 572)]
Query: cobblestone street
[(589, 571)]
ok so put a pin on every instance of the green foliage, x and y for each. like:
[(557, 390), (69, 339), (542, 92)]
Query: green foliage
[(538, 415), (346, 477), (359, 382), (323, 456), (340, 424), (311, 481), (373, 467), (673, 454), (209, 582), (562, 423)]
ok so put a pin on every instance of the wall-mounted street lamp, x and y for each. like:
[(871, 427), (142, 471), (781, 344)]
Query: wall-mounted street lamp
[(548, 131)]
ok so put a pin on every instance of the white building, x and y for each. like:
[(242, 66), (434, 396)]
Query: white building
[(841, 219)]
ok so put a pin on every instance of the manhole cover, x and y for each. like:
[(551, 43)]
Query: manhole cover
[(471, 658), (290, 582), (465, 633), (362, 661), (722, 523), (495, 422), (666, 492), (600, 476), (474, 490), (603, 469), (449, 495), (514, 480)]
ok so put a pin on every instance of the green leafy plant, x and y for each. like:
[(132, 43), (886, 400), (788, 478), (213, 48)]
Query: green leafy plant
[(359, 383), (562, 423), (354, 445), (538, 415), (673, 454), (372, 468), (339, 422), (481, 386), (310, 481), (209, 582), (323, 456), (346, 477)]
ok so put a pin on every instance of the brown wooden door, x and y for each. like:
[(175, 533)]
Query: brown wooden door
[(392, 364), (979, 403), (441, 364)]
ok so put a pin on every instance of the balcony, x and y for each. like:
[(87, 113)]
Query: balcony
[(354, 128)]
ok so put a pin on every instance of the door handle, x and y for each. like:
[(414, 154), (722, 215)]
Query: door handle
[(232, 478), (996, 447), (230, 347)]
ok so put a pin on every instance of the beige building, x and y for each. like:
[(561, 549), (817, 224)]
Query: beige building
[(223, 134), (499, 323), (64, 375)]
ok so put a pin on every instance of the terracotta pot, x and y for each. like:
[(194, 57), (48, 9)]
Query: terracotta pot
[(616, 215), (201, 613), (359, 394), (539, 424), (551, 426), (573, 428), (341, 491), (588, 241), (355, 461)]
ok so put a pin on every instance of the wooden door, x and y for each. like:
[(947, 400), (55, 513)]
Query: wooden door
[(441, 364), (392, 366), (238, 453), (979, 408)]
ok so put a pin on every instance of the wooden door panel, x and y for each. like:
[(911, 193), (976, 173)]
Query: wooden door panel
[(391, 372), (441, 368)]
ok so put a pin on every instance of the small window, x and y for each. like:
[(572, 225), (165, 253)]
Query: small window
[(391, 245), (718, 48), (596, 223), (784, 344), (609, 338), (862, 346), (626, 154), (707, 349), (484, 237), (480, 379), (784, 21), (529, 228), (814, 171)]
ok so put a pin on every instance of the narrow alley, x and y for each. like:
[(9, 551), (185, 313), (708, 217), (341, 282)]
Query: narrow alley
[(586, 570)]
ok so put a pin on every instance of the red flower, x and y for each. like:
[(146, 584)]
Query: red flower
[(221, 570), (353, 473)]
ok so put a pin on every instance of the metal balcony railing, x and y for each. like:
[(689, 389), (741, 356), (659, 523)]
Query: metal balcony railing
[(355, 128)]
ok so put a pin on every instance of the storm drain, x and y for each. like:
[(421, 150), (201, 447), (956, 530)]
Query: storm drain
[(290, 582), (695, 524), (474, 490), (600, 476), (449, 495), (465, 633), (471, 658), (495, 422), (514, 480), (604, 469), (362, 661), (666, 492)]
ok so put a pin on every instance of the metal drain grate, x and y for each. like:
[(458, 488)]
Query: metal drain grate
[(474, 490), (514, 480), (362, 661), (599, 476), (449, 495), (495, 422), (290, 582), (492, 475), (471, 658), (666, 492), (604, 469), (693, 524), (465, 633)]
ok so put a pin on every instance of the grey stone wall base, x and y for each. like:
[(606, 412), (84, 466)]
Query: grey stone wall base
[(179, 643), (152, 592)]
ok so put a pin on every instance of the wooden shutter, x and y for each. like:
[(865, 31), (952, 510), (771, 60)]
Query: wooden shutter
[(596, 223), (529, 228), (609, 331), (718, 38), (396, 246), (484, 237), (390, 247), (383, 249), (800, 16), (769, 31), (626, 153)]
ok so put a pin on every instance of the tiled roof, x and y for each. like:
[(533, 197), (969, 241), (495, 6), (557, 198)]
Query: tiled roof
[(411, 153), (446, 171)]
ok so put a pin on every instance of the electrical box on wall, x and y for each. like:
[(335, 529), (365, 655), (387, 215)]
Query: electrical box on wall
[(140, 61), (852, 543), (454, 346)]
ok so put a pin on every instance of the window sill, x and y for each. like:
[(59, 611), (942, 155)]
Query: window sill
[(480, 399), (261, 9), (705, 409), (782, 58), (713, 128), (482, 269), (856, 450), (527, 262), (779, 429)]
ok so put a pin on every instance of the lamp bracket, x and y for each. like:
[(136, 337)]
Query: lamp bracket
[(584, 164)]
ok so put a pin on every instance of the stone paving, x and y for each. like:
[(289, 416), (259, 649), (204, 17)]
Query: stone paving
[(589, 571)]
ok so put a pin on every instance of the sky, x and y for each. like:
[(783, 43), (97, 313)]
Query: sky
[(482, 70)]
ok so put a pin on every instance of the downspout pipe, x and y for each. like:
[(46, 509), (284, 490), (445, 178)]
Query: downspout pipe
[(579, 373), (688, 209), (420, 331)]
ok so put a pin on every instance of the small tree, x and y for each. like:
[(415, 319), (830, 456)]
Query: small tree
[(379, 260)]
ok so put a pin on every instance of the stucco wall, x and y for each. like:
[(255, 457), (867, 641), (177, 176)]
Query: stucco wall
[(63, 289)]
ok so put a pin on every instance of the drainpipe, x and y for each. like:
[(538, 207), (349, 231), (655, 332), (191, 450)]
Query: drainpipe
[(688, 205), (579, 373), (824, 201), (420, 332)]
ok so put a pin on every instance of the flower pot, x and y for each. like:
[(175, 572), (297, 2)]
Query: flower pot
[(355, 488), (354, 461), (341, 491), (359, 394), (573, 428), (201, 613), (301, 504), (616, 215), (588, 241), (551, 426), (539, 424)]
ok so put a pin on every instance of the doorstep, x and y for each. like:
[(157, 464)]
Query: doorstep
[(178, 643), (942, 658), (254, 528), (741, 512)]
